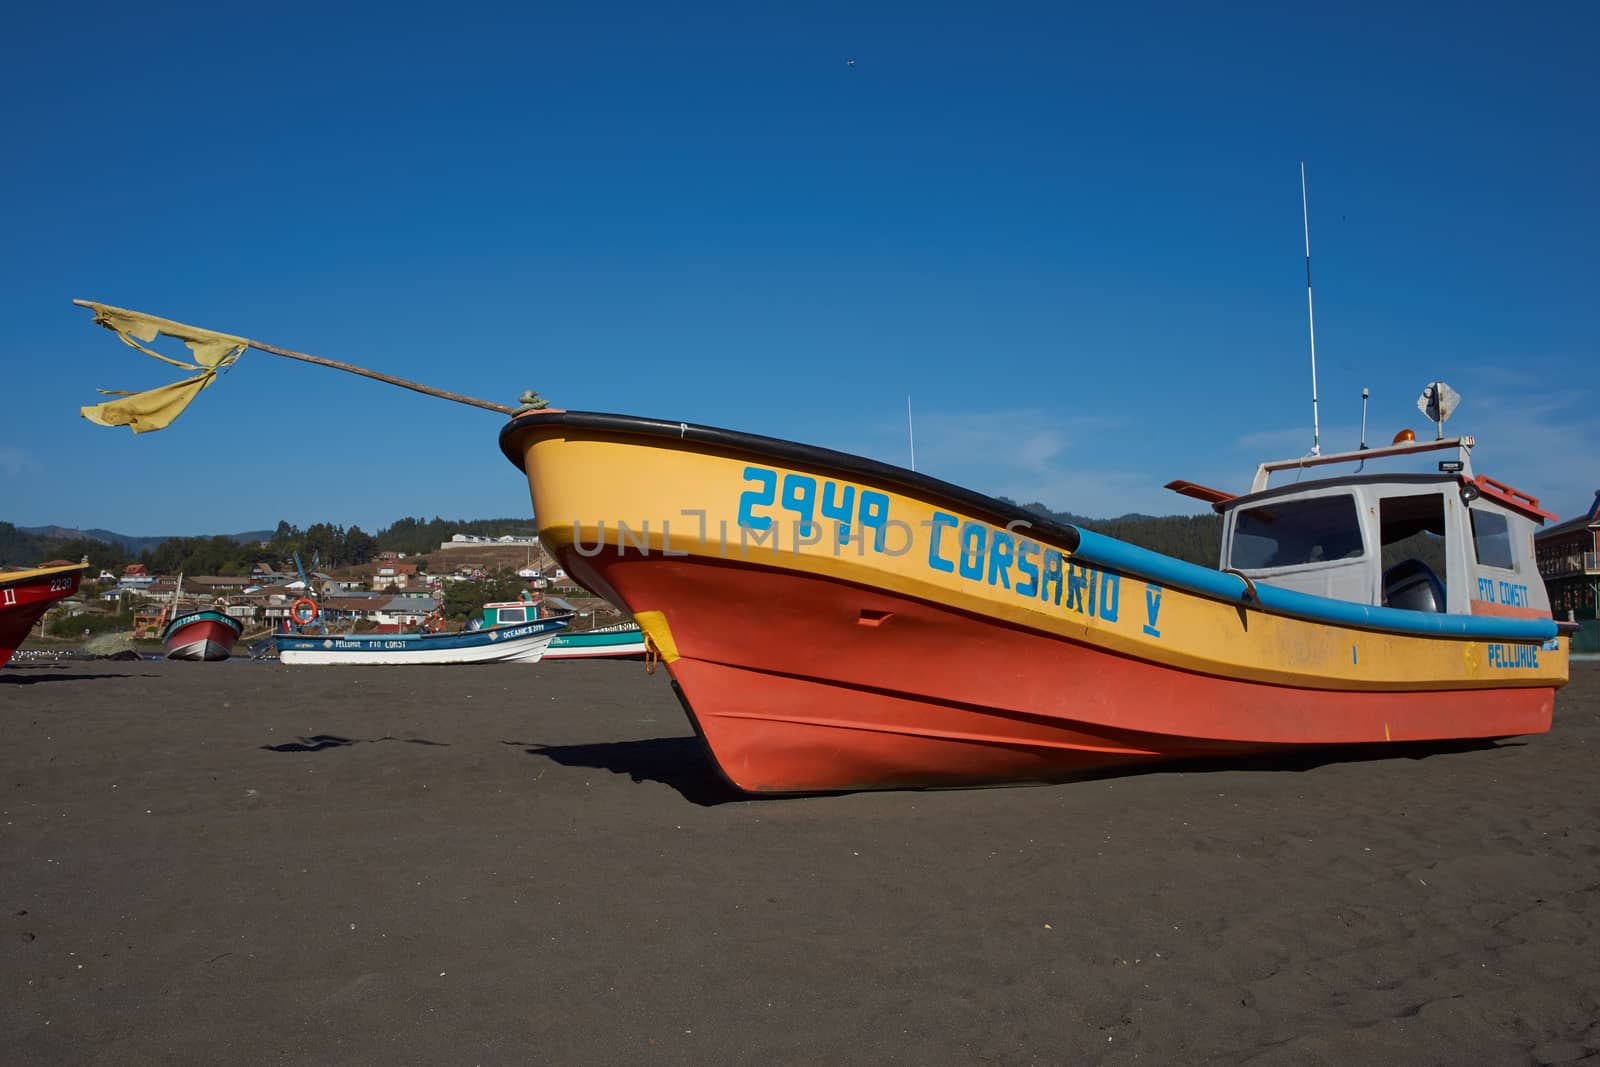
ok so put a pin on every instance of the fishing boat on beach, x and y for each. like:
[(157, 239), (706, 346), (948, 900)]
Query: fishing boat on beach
[(203, 633), (521, 641), (836, 623), (623, 639), (26, 594)]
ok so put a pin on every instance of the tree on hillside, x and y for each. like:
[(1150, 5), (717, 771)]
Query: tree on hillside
[(462, 599), (20, 549), (359, 547)]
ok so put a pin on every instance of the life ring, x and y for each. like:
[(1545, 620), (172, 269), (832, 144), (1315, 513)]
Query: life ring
[(303, 611)]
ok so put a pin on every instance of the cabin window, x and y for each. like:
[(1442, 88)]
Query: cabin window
[(1412, 527), (1291, 533), (1491, 539), (1411, 530), (506, 615)]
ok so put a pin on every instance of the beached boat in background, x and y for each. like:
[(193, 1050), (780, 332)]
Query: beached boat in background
[(523, 642), (202, 633), (25, 595), (206, 634), (623, 639), (836, 623)]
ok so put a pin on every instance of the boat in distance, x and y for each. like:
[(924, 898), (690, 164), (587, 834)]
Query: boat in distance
[(196, 633), (26, 594), (516, 643), (623, 639), (835, 623), (206, 634)]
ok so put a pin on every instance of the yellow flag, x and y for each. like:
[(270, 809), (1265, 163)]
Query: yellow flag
[(155, 409)]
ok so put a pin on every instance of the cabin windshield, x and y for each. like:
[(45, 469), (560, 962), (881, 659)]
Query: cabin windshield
[(1292, 533), (506, 615)]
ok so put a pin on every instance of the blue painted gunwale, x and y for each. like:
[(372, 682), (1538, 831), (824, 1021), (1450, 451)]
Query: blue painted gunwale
[(1172, 573)]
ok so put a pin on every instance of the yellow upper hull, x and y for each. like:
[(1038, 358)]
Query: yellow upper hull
[(598, 491), (28, 574)]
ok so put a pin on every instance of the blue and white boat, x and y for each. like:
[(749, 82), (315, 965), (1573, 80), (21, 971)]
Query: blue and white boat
[(523, 642)]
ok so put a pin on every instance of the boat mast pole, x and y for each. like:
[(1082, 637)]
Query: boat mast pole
[(1305, 218), (1316, 435), (911, 432)]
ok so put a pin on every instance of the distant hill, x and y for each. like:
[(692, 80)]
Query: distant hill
[(1195, 538), (127, 542), (1068, 517)]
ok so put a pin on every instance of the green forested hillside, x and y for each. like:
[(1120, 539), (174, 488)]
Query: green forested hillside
[(19, 548), (421, 535), (1195, 538)]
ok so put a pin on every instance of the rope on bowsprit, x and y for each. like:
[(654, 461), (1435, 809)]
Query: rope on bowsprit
[(214, 352), (652, 654)]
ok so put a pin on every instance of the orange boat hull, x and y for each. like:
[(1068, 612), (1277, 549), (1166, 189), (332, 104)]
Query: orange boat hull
[(802, 684)]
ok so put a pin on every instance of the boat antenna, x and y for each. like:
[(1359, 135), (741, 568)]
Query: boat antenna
[(911, 432), (1305, 217), (1361, 466)]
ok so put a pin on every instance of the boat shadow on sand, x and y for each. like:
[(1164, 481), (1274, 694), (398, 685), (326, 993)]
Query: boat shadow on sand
[(323, 742), (1309, 759), (683, 764), (678, 762), (13, 675)]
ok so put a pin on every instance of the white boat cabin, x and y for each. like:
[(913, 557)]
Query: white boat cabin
[(1440, 541)]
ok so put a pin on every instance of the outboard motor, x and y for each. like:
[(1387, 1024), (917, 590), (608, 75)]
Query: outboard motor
[(1412, 585)]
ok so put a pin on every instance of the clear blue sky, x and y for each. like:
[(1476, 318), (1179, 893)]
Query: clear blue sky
[(1072, 237)]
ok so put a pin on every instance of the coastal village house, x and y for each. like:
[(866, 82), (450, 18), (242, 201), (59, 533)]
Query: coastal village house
[(1569, 561), (387, 614), (393, 575)]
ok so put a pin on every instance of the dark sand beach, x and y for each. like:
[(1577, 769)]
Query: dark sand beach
[(252, 863)]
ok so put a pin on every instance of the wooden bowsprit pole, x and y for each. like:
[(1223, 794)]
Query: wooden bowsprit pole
[(349, 368)]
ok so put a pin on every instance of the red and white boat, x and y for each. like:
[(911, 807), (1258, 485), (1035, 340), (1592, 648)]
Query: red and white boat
[(207, 634), (25, 595), (198, 633)]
